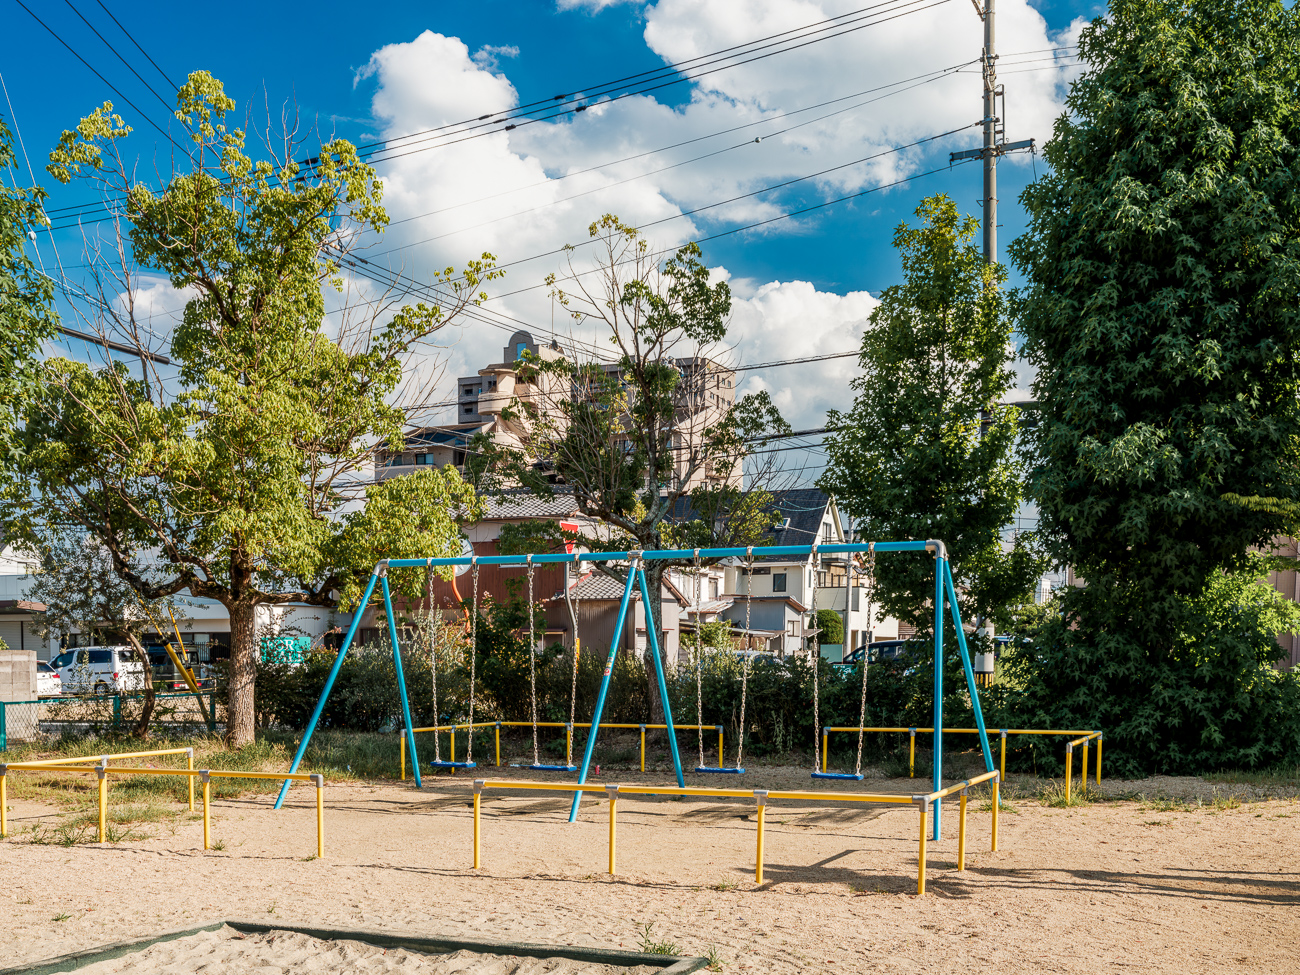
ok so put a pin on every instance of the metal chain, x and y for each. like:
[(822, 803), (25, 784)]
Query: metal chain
[(816, 661), (744, 672), (699, 663), (532, 657), (866, 651), (473, 659), (577, 643), (433, 657)]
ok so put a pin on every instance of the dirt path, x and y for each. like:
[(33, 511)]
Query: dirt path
[(1108, 887)]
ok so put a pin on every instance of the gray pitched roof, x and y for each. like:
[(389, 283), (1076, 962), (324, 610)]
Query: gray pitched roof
[(511, 505)]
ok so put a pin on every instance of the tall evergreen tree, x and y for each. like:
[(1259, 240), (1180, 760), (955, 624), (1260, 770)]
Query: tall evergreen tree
[(1163, 268)]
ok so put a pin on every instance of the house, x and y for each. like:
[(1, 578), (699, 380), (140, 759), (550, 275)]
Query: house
[(777, 591)]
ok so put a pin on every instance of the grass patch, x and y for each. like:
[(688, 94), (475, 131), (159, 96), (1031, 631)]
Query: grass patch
[(1286, 777), (1052, 794), (648, 944)]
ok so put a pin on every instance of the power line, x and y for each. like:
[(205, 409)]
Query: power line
[(931, 75), (795, 362), (116, 90), (137, 45), (929, 78), (165, 104), (525, 112)]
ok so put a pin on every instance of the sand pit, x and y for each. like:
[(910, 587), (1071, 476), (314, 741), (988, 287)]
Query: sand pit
[(230, 952), (1149, 886)]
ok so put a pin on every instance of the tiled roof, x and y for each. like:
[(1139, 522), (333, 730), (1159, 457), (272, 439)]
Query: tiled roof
[(598, 586), (523, 504)]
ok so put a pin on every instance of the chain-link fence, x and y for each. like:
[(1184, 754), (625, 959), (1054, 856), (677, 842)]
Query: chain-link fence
[(178, 714)]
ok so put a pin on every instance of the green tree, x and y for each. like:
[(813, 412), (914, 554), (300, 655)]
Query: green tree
[(928, 449), (1163, 263), (642, 441), (26, 313), (236, 478)]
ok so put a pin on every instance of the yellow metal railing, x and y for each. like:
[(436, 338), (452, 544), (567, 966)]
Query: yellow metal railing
[(103, 770), (761, 797), (1069, 761), (568, 735), (1001, 732)]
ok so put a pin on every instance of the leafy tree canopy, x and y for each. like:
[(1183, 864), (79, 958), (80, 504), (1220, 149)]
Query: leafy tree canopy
[(927, 450), (238, 475)]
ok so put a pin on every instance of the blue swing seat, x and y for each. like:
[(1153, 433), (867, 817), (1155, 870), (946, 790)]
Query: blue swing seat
[(453, 765), (837, 775), (548, 768), (719, 771)]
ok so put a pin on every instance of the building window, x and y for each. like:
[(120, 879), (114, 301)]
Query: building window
[(778, 582), (469, 408), (826, 531), (790, 627), (425, 459), (469, 390)]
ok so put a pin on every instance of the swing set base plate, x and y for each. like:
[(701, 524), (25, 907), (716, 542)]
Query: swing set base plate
[(548, 768), (719, 771), (837, 775), (453, 764)]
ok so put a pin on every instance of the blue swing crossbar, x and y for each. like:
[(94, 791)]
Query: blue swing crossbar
[(453, 765), (719, 771), (837, 775), (548, 768)]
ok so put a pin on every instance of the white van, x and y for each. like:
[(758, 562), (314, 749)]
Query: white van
[(99, 670)]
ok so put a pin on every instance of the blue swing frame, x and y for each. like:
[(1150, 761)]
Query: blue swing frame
[(944, 592)]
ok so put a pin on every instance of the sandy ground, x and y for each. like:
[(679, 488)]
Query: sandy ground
[(1125, 885), (227, 952)]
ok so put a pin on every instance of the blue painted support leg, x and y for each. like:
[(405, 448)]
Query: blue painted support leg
[(329, 685), (970, 673), (604, 689), (659, 675), (401, 683), (940, 563)]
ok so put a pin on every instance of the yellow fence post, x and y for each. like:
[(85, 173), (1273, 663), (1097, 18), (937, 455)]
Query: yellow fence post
[(761, 796), (826, 738), (1083, 778), (453, 744), (4, 801), (911, 756), (478, 795), (207, 819), (961, 834), (612, 792), (997, 801), (923, 804), (1069, 769), (102, 771), (1002, 765), (720, 762), (642, 752), (402, 741), (498, 744), (1099, 738), (189, 779), (320, 815)]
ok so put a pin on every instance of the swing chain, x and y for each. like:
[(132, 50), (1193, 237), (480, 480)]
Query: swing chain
[(748, 661), (574, 606), (473, 661), (815, 659), (699, 663), (532, 657), (866, 650), (433, 655)]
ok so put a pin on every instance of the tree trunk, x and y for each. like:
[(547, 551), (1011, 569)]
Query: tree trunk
[(240, 723), (141, 729)]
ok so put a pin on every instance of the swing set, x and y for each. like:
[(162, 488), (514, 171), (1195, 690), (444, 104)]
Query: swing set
[(944, 595)]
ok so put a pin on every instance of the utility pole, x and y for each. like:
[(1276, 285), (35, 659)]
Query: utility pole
[(995, 131)]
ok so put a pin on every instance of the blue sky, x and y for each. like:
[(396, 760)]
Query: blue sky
[(366, 74)]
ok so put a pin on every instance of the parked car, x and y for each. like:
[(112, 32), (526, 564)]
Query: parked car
[(48, 682), (167, 678), (99, 670)]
